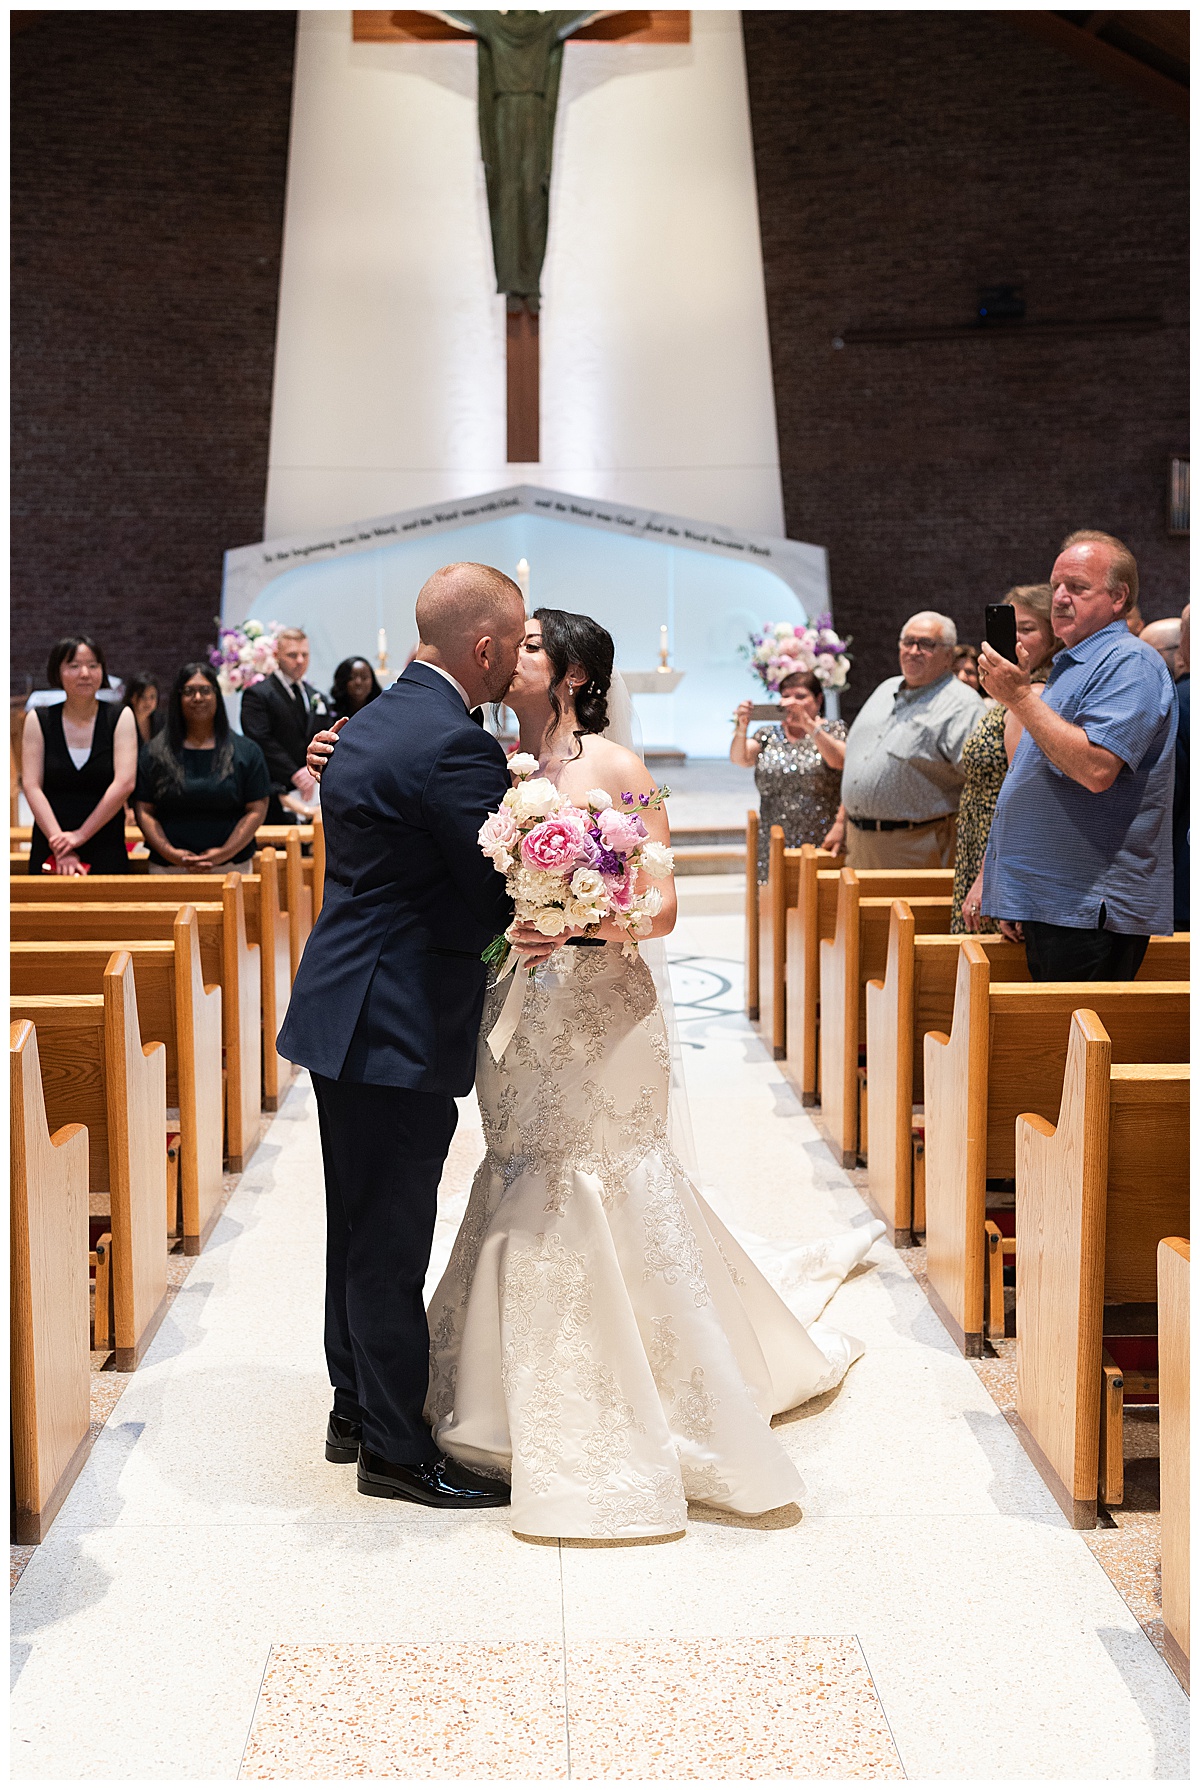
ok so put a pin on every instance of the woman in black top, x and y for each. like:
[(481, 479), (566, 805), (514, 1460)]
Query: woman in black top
[(354, 686), (141, 695), (78, 765), (202, 789)]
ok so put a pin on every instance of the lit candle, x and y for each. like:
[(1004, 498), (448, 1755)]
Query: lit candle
[(663, 646), (523, 579), (381, 648)]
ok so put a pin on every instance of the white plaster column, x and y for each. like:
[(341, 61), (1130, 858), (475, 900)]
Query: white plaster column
[(389, 381)]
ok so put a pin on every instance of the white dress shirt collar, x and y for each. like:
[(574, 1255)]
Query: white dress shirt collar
[(449, 677), (289, 683)]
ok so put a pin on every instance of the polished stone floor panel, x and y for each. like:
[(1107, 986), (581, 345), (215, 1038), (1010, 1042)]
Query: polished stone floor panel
[(790, 1706), (491, 1710)]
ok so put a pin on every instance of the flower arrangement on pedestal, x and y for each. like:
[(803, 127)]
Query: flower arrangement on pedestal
[(244, 656), (781, 648)]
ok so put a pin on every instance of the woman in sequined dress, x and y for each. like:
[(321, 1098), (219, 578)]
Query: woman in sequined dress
[(797, 765)]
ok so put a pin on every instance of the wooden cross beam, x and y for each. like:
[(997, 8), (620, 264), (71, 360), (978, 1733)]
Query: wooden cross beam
[(523, 383)]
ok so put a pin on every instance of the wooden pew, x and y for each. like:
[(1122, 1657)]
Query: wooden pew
[(266, 927), (318, 865), (813, 918), (299, 898), (915, 996), (96, 1071), (788, 891), (175, 1008), (752, 898), (48, 1261), (293, 876), (856, 952), (1096, 1193), (1174, 1426), (21, 837), (226, 956), (275, 963), (1006, 1055), (775, 897)]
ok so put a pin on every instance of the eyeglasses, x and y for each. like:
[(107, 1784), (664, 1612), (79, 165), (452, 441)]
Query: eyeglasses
[(194, 693), (921, 645)]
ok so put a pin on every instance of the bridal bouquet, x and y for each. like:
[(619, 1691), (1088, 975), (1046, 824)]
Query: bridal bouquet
[(781, 648), (244, 656), (573, 867)]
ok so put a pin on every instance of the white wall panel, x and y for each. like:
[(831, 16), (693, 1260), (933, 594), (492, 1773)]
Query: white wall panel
[(656, 384)]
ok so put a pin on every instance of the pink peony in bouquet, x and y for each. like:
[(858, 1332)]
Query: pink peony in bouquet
[(573, 867)]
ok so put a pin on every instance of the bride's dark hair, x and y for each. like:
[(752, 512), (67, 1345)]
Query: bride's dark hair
[(577, 640)]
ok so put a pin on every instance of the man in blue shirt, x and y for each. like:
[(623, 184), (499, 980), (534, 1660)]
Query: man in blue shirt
[(1079, 859)]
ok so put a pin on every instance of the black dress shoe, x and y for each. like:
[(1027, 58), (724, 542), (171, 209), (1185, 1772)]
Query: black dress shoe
[(343, 1439), (442, 1483)]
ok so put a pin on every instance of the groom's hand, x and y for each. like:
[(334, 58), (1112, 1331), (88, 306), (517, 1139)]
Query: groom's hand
[(533, 945), (320, 747)]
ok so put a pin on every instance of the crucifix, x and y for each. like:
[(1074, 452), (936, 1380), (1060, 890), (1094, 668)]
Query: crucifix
[(520, 61)]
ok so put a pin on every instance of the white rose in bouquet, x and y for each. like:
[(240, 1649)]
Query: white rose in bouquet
[(656, 860), (533, 800), (549, 920), (522, 764), (598, 800), (587, 885)]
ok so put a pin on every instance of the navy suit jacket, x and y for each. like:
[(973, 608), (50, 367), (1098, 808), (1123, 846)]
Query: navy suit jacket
[(390, 988)]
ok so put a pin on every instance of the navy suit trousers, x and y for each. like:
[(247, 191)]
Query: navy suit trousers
[(383, 1151)]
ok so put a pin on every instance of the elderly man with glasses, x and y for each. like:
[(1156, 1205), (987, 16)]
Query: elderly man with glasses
[(903, 776)]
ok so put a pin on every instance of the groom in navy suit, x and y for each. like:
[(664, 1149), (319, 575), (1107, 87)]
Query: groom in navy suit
[(385, 1012)]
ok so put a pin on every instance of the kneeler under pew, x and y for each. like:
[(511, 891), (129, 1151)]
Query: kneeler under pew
[(1096, 1194), (177, 1009), (1006, 1054), (267, 927), (856, 952), (813, 919), (50, 1369), (916, 995), (96, 1072), (227, 958)]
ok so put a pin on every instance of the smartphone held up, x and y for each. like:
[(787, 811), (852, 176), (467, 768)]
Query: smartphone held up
[(1000, 630)]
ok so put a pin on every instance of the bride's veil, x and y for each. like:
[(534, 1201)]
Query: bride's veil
[(623, 730)]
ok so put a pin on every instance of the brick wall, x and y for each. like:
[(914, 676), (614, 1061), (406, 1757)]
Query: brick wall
[(905, 160), (149, 160)]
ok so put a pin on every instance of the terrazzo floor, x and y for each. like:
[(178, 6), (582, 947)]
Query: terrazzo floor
[(214, 1600)]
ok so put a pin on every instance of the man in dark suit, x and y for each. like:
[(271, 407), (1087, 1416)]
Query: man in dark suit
[(281, 714), (386, 1009)]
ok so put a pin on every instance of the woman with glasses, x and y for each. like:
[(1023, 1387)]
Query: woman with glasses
[(78, 765), (202, 789)]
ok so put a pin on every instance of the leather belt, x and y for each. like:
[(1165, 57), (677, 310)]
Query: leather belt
[(894, 826)]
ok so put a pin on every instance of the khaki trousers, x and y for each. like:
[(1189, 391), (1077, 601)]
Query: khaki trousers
[(909, 848)]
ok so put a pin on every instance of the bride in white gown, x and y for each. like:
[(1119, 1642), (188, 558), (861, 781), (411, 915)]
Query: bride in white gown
[(598, 1335)]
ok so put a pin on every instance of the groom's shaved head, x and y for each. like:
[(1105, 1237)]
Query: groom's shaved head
[(460, 604)]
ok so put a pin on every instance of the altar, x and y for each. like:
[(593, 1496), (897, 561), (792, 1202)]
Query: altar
[(696, 589)]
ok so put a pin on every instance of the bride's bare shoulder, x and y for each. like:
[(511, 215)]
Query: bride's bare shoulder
[(614, 768)]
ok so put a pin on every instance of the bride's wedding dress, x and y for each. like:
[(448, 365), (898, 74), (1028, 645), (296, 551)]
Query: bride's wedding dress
[(598, 1335)]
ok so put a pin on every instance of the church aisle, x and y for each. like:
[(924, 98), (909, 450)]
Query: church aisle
[(215, 1600)]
